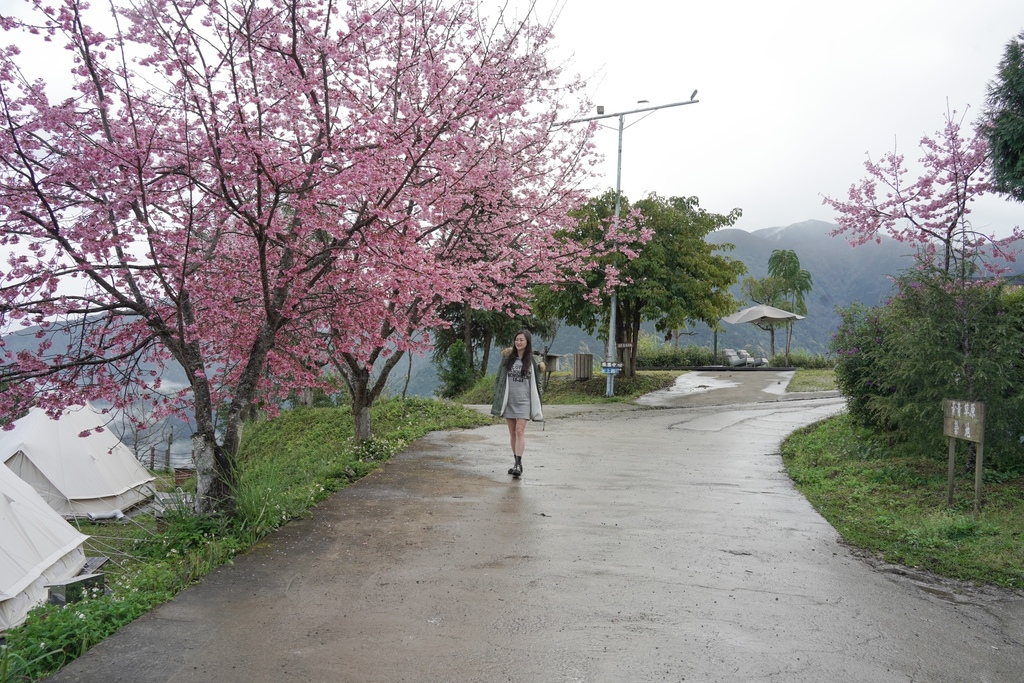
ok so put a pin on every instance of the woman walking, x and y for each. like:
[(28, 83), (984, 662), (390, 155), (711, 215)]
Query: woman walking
[(516, 397)]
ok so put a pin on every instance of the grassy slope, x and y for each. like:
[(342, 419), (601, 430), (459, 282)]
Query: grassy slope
[(894, 505)]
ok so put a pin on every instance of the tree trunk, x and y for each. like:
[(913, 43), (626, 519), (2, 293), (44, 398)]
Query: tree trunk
[(623, 332), (214, 472), (467, 336), (361, 422), (789, 338), (358, 384), (214, 466), (486, 352), (633, 339), (361, 390), (405, 387)]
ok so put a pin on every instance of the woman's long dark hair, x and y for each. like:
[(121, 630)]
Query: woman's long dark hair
[(527, 353)]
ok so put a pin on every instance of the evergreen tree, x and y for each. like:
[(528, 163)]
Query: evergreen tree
[(1003, 122)]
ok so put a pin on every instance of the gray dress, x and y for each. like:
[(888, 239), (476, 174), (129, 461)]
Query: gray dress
[(518, 405)]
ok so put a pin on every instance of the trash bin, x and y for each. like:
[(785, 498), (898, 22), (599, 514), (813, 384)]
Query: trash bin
[(582, 366)]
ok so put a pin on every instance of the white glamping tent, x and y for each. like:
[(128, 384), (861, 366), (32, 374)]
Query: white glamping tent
[(37, 548), (77, 476)]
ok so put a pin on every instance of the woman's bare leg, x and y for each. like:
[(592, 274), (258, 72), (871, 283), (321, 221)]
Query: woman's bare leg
[(511, 433), (517, 437), (519, 442)]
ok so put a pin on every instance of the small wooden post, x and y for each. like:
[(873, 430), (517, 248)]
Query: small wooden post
[(979, 469), (965, 420), (952, 471), (167, 453)]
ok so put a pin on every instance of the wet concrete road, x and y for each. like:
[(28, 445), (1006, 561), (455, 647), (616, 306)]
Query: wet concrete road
[(642, 544)]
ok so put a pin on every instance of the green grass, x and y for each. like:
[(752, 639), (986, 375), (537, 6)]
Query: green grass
[(812, 380), (894, 505), (562, 389)]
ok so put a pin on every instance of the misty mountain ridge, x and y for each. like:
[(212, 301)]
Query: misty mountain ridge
[(841, 275)]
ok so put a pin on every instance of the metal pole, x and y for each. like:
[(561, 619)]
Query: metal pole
[(612, 354), (612, 348)]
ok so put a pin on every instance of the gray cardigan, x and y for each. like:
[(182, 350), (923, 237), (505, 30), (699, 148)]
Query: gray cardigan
[(501, 391)]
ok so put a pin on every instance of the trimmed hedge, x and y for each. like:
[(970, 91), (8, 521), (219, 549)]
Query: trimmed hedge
[(671, 357), (697, 356)]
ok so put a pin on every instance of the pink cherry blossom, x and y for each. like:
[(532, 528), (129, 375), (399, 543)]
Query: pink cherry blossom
[(258, 196), (931, 212)]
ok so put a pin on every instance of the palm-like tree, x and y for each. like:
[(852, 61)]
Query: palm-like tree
[(784, 264), (769, 291)]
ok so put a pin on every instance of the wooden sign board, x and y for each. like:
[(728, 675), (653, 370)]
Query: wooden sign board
[(964, 420)]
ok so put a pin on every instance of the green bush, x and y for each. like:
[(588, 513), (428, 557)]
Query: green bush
[(800, 358), (860, 362), (674, 357), (455, 372), (937, 339), (700, 356)]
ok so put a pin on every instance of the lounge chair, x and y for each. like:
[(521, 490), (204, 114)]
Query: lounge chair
[(732, 358), (751, 360)]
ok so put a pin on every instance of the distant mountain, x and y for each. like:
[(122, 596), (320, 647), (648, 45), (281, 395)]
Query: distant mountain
[(841, 274)]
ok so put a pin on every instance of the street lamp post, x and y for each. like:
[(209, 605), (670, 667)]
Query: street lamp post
[(611, 366)]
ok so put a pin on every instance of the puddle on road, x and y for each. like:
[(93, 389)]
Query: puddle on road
[(685, 384)]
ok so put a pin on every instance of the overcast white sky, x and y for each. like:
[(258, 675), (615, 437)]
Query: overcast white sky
[(793, 93)]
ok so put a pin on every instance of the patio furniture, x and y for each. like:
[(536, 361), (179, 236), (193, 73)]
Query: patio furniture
[(732, 358), (751, 360)]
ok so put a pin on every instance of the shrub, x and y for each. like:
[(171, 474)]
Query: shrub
[(936, 340), (803, 359), (858, 353), (673, 357), (455, 373)]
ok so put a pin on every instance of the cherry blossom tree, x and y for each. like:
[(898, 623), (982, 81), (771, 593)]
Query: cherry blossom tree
[(932, 212), (254, 189), (935, 338)]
